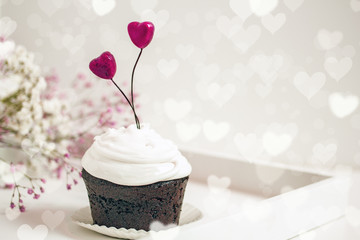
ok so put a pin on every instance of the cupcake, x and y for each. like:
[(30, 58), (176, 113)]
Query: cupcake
[(133, 176)]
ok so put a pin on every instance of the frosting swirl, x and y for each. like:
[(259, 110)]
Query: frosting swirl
[(133, 157)]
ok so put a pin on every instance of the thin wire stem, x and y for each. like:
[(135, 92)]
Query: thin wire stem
[(132, 107), (132, 84)]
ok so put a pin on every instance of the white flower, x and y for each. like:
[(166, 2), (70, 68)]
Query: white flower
[(7, 47), (25, 126), (50, 146), (26, 106), (20, 74), (62, 147), (39, 140), (14, 126), (37, 112), (35, 96), (24, 113), (41, 84), (64, 129), (36, 130), (27, 86), (24, 120), (9, 86), (52, 106), (45, 124)]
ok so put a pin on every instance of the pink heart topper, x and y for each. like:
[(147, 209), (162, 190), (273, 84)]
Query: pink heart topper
[(104, 66), (141, 34)]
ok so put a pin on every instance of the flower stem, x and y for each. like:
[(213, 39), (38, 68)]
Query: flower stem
[(132, 107), (132, 85)]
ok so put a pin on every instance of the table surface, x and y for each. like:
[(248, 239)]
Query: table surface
[(55, 208), (345, 227)]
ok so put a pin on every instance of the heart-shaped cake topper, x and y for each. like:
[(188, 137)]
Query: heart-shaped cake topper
[(104, 66), (141, 34)]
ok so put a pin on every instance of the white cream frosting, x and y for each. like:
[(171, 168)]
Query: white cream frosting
[(133, 157)]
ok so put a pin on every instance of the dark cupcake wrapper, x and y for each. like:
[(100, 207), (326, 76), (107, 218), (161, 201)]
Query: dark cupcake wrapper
[(121, 206)]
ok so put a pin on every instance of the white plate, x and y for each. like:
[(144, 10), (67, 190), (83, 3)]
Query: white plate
[(82, 217)]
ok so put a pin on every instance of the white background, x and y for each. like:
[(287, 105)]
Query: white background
[(282, 86)]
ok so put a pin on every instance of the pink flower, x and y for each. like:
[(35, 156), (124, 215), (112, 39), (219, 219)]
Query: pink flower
[(81, 76), (79, 146), (118, 109), (88, 85), (30, 191), (22, 209), (9, 185), (12, 168)]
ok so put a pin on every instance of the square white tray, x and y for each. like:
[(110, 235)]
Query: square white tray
[(263, 201)]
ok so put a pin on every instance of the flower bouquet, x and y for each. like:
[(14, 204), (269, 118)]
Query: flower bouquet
[(40, 135)]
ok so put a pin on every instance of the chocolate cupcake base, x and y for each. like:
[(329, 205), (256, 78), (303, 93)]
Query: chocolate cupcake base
[(120, 206)]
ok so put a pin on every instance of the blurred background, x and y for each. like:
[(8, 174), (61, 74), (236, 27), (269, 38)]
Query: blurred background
[(263, 80)]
